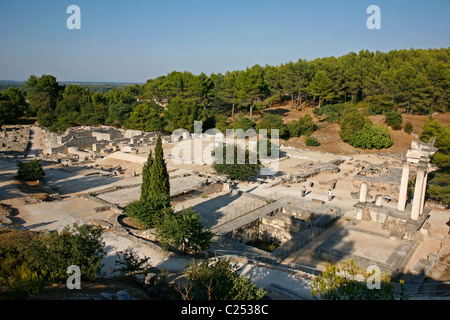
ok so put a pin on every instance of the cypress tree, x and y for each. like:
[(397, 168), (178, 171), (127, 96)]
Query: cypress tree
[(159, 177), (146, 177)]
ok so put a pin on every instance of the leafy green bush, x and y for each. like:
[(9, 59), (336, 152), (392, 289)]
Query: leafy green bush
[(183, 231), (79, 245), (394, 120), (438, 187), (351, 121), (370, 137), (243, 123), (303, 126), (130, 263), (272, 148), (433, 128), (238, 171), (272, 121), (148, 212), (311, 141), (29, 260), (30, 171), (408, 127)]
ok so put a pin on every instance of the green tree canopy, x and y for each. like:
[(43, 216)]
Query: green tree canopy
[(271, 121), (146, 117)]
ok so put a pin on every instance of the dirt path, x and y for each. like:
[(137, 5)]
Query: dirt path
[(36, 141)]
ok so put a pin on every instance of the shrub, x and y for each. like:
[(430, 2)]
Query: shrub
[(218, 279), (351, 121), (304, 126), (239, 171), (29, 260), (370, 137), (272, 148), (148, 212), (52, 253), (243, 123), (394, 120), (338, 282), (272, 122), (130, 263), (408, 127), (30, 171), (332, 112), (183, 231), (311, 141), (438, 187)]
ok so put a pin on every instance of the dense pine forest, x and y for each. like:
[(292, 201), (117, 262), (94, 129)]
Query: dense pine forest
[(413, 81)]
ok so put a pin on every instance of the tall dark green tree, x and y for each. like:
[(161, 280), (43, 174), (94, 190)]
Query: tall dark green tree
[(159, 177), (146, 176), (321, 87)]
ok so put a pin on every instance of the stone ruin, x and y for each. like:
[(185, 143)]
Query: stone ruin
[(417, 158), (284, 226), (91, 142), (14, 141)]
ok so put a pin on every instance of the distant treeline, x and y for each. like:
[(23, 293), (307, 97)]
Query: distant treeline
[(416, 81), (92, 86)]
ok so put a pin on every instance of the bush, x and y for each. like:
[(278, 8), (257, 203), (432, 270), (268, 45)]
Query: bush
[(311, 141), (239, 171), (130, 263), (243, 123), (218, 279), (438, 187), (304, 126), (408, 127), (183, 231), (30, 171), (272, 148), (338, 282), (370, 137), (29, 260), (148, 212), (394, 120), (351, 121), (78, 245), (272, 122)]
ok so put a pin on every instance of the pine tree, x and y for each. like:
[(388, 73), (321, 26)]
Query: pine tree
[(146, 177), (159, 177)]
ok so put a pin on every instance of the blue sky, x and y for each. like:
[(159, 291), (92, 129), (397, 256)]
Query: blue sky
[(132, 41)]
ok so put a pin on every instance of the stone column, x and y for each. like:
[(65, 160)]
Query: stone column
[(424, 190), (418, 188), (378, 200), (403, 195), (363, 193)]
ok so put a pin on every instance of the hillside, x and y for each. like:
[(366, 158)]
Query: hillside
[(328, 134)]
